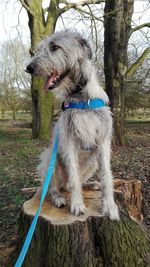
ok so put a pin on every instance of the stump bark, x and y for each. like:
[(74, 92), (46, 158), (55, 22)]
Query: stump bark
[(90, 240)]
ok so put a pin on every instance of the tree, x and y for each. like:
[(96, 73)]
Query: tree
[(10, 100), (137, 85), (14, 83), (118, 30)]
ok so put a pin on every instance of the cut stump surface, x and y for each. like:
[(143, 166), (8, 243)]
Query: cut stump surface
[(62, 215)]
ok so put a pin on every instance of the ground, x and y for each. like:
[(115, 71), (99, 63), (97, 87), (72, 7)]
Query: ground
[(19, 157)]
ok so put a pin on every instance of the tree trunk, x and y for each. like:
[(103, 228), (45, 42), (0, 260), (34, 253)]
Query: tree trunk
[(14, 114), (42, 109), (3, 114), (117, 24), (90, 240), (131, 192), (42, 103)]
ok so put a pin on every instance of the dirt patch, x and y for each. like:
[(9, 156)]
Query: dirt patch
[(6, 250)]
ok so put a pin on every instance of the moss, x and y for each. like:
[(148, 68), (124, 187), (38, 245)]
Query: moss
[(123, 243)]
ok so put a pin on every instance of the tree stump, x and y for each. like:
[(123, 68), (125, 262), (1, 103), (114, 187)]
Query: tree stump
[(90, 240), (131, 190)]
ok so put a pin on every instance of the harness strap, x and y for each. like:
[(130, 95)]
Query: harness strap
[(43, 194)]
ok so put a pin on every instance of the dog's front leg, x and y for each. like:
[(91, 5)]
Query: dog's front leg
[(74, 183), (109, 207), (56, 183)]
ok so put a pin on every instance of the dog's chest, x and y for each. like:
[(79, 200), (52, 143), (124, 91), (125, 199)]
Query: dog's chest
[(85, 127)]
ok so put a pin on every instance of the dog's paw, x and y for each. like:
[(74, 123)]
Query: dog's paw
[(110, 209), (78, 209), (59, 201), (114, 214)]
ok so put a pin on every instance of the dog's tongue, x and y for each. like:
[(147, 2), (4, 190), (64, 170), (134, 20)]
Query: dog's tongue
[(49, 81)]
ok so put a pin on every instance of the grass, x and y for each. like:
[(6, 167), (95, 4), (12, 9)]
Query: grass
[(138, 121), (18, 159), (19, 116), (18, 156)]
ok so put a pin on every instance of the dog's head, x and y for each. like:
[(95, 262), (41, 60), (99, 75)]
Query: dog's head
[(62, 60)]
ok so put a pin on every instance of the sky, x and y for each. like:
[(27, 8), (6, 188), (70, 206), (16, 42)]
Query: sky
[(14, 20)]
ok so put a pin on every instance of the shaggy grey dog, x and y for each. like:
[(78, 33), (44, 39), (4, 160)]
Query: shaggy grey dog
[(64, 60)]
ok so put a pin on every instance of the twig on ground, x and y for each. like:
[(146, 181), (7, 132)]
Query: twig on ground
[(29, 189)]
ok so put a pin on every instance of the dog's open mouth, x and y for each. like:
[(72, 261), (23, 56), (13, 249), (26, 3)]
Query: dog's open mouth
[(54, 80)]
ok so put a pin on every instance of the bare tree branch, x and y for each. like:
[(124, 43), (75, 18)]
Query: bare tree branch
[(82, 3), (26, 7), (90, 14), (147, 24), (52, 15), (45, 10), (77, 5), (138, 63)]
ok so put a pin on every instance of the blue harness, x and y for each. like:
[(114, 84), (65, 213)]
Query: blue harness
[(90, 104)]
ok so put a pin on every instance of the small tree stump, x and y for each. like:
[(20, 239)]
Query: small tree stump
[(132, 193), (90, 240)]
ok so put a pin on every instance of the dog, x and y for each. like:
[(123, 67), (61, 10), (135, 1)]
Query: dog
[(64, 60)]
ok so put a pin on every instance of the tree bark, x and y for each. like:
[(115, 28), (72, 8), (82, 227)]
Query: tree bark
[(42, 103), (42, 109), (90, 240), (131, 192), (117, 25), (14, 114)]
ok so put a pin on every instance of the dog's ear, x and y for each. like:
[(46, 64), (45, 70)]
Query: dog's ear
[(85, 45)]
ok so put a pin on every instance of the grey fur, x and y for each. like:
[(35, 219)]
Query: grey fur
[(69, 54)]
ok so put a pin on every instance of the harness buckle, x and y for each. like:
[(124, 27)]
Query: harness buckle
[(65, 105), (88, 102)]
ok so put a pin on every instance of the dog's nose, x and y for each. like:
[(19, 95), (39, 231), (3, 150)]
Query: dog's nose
[(30, 68)]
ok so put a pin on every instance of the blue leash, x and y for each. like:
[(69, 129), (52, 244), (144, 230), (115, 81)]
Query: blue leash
[(90, 104), (44, 191)]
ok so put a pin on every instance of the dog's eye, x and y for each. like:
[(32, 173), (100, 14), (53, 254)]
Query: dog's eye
[(54, 47)]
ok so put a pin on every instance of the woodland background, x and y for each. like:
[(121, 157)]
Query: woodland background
[(120, 39)]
